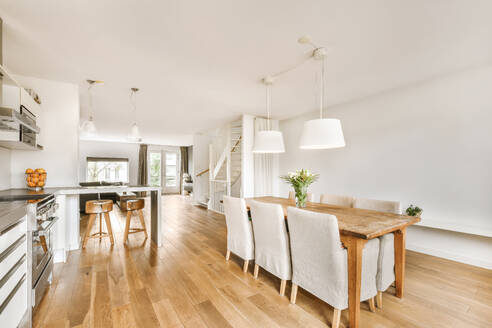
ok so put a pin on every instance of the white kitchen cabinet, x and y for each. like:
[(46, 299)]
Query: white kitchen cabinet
[(11, 96), (28, 102), (16, 308), (13, 274)]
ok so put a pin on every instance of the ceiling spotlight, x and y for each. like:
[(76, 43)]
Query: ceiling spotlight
[(306, 39), (91, 82)]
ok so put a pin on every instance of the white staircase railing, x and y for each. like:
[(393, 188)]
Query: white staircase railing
[(224, 171)]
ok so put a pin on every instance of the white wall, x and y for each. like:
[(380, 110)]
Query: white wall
[(59, 124), (190, 159), (247, 157), (109, 149), (5, 168), (429, 144), (266, 166), (201, 144)]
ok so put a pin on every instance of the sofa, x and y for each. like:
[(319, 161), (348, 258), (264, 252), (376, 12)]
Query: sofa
[(187, 183), (105, 195)]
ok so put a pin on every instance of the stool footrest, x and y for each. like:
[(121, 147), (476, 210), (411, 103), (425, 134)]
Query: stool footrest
[(135, 230), (97, 234)]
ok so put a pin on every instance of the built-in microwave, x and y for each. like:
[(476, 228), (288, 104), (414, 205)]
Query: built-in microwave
[(27, 134), (18, 129)]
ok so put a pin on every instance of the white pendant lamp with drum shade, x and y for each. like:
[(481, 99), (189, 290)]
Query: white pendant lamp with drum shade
[(321, 133), (268, 141), (134, 131)]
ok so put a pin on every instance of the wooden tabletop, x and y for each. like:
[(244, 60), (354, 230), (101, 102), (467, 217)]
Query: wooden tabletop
[(365, 224)]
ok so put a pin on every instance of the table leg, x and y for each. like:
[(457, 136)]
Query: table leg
[(400, 236), (354, 246), (155, 217)]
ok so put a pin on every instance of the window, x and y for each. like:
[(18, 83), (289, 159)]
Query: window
[(107, 169), (155, 169)]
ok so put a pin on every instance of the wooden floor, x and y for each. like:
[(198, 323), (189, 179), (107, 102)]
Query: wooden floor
[(188, 283)]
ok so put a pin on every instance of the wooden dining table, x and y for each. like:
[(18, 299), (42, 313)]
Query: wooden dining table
[(357, 226)]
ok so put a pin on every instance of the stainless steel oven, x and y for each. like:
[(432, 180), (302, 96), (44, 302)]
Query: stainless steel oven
[(42, 247)]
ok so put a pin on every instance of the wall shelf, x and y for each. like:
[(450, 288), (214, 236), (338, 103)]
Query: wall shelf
[(452, 226)]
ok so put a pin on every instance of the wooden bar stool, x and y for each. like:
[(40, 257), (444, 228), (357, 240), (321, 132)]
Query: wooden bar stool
[(134, 205), (101, 207)]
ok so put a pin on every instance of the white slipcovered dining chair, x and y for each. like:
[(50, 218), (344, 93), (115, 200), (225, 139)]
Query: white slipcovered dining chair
[(345, 201), (309, 197), (319, 262), (386, 260), (272, 251), (239, 230)]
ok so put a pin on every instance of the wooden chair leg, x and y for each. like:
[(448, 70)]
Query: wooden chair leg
[(142, 221), (245, 265), (283, 283), (257, 269), (336, 318), (228, 255), (127, 226), (108, 226), (88, 230), (379, 300), (371, 304), (293, 294), (100, 226), (42, 240)]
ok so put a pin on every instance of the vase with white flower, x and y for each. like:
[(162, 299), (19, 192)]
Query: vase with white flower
[(300, 180)]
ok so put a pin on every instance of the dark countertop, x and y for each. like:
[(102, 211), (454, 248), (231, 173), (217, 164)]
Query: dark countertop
[(11, 212), (26, 194)]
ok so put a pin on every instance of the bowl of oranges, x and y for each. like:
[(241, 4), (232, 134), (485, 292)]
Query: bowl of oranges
[(36, 179)]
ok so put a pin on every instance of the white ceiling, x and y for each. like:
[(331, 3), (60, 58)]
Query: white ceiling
[(198, 63)]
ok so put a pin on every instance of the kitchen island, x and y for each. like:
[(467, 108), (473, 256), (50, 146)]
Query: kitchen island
[(67, 230)]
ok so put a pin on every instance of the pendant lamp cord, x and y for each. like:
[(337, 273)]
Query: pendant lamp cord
[(322, 91), (269, 104), (91, 109), (133, 101)]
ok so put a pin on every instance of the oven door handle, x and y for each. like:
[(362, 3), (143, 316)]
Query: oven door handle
[(53, 220)]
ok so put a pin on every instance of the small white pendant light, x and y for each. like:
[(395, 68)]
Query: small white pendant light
[(322, 133), (134, 131), (268, 141), (89, 127)]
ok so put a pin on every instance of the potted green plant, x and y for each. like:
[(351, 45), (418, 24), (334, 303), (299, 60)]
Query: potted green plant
[(300, 181), (414, 211)]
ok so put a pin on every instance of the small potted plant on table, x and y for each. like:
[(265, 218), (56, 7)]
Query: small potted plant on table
[(414, 211)]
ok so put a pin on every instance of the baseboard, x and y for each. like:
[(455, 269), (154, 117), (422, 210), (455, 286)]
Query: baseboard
[(73, 247), (59, 255), (451, 256), (211, 209)]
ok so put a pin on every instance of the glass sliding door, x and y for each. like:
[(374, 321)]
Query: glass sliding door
[(155, 169), (171, 172), (164, 170)]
